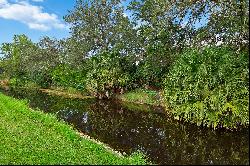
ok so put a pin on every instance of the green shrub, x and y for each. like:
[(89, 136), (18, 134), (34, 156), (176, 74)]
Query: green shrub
[(150, 70), (210, 87), (65, 76), (13, 82), (106, 75)]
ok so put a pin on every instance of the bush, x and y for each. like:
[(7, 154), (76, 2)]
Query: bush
[(210, 88), (106, 75), (154, 65), (65, 76)]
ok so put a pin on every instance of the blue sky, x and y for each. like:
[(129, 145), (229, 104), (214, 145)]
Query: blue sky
[(34, 18), (37, 18)]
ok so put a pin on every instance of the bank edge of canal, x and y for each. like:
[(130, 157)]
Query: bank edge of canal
[(33, 137)]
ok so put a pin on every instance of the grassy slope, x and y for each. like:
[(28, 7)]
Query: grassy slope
[(142, 96), (32, 137), (66, 93)]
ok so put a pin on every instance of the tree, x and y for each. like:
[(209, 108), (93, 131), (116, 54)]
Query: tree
[(229, 20), (17, 56), (191, 23), (98, 26), (160, 37), (225, 21)]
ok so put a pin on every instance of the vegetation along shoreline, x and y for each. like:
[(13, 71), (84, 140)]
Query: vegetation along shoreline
[(200, 70)]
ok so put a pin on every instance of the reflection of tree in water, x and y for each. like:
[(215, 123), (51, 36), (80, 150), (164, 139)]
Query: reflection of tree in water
[(73, 116), (85, 117), (67, 114), (163, 139)]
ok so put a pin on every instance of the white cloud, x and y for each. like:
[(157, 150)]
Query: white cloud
[(125, 14), (31, 15), (3, 3), (38, 26)]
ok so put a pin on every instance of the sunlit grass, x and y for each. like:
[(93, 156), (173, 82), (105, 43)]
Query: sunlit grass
[(142, 96), (68, 93), (32, 137)]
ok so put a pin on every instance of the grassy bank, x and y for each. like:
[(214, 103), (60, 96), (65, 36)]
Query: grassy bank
[(142, 96), (32, 137), (56, 91), (67, 93)]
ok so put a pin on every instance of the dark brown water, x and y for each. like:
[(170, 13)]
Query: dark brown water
[(128, 128)]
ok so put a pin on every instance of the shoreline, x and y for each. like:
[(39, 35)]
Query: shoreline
[(139, 94), (27, 119)]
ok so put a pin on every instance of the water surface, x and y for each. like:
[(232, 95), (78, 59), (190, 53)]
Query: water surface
[(129, 127)]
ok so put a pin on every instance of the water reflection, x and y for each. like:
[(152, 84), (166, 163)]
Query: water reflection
[(163, 139)]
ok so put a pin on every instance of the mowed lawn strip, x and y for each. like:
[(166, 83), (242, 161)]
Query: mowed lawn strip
[(33, 137)]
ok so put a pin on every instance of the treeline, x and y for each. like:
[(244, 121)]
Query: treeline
[(196, 51)]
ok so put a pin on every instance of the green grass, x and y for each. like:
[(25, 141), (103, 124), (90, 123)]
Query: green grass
[(142, 96), (68, 93), (32, 137)]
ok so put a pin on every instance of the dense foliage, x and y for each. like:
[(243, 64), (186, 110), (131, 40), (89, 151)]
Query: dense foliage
[(65, 76), (210, 87), (114, 48), (106, 75)]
